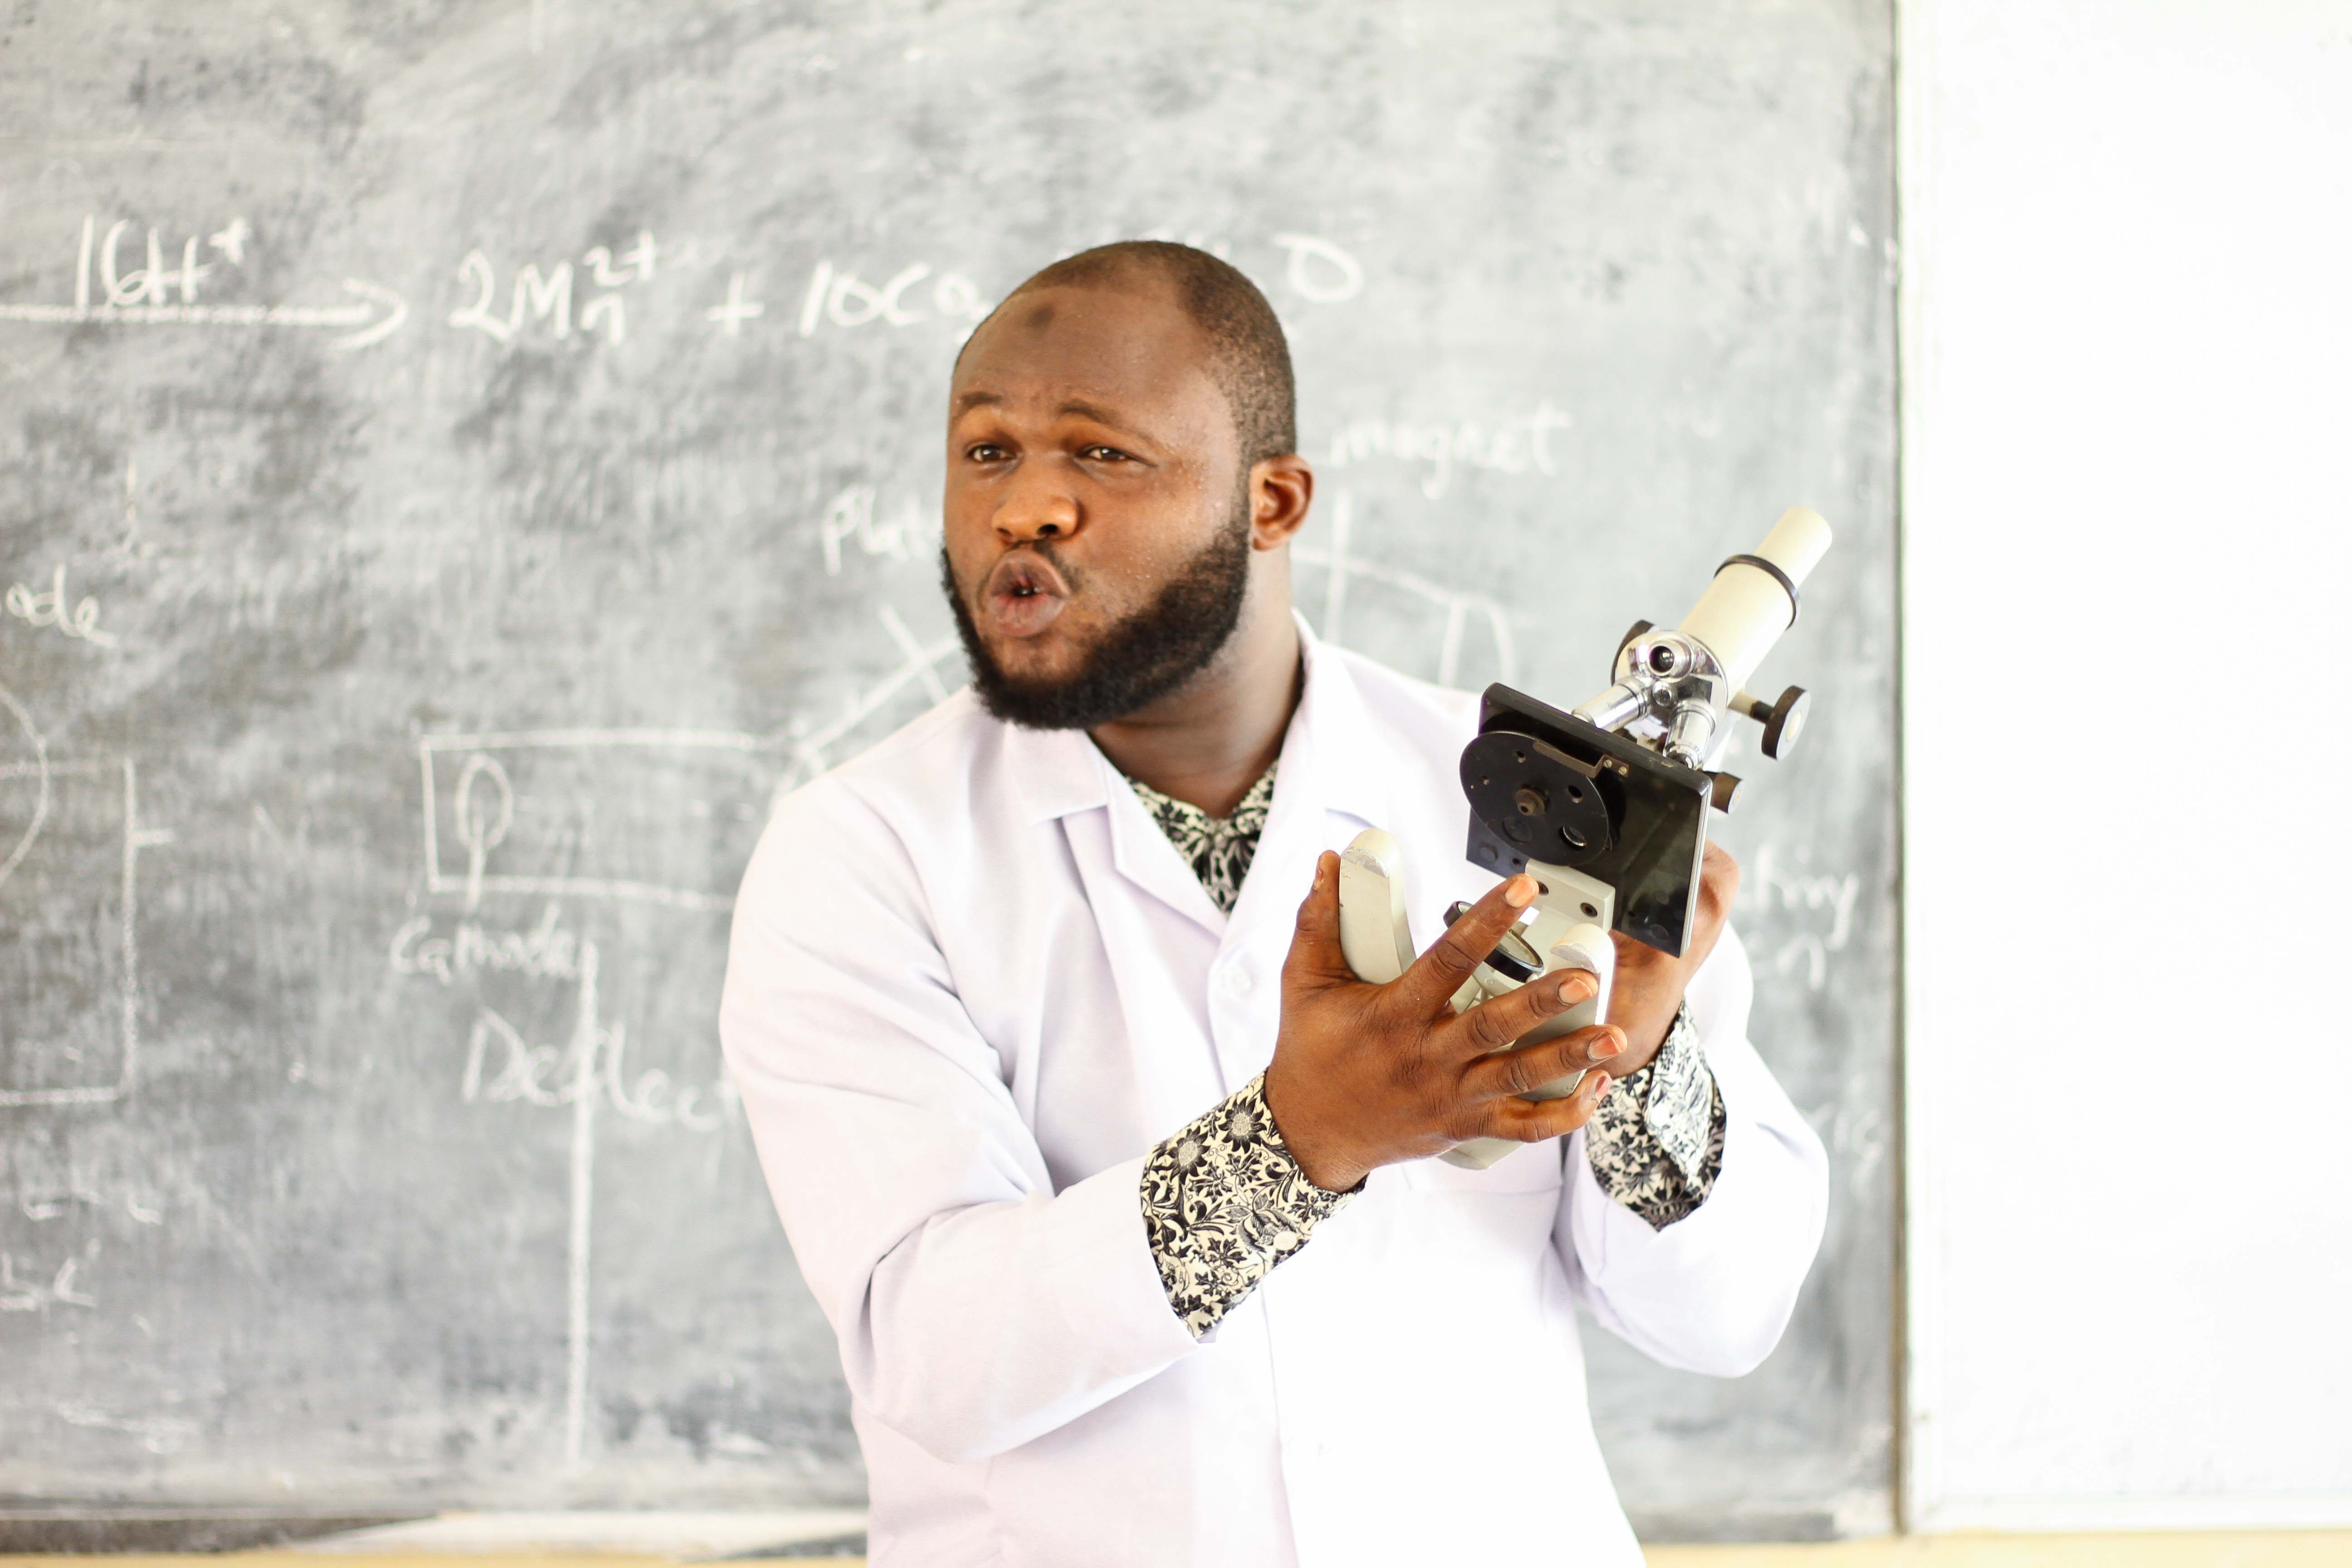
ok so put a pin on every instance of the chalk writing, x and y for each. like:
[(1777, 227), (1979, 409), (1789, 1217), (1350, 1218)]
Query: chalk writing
[(158, 295), (230, 241), (544, 299), (737, 310), (500, 1066), (149, 285), (851, 517), (35, 1296), (545, 951), (1766, 886), (842, 299), (1512, 447), (46, 607), (44, 1206), (1322, 272)]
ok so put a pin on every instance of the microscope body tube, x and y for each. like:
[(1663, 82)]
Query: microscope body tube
[(1746, 608)]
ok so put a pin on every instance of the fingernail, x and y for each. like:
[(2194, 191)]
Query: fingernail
[(1519, 892), (1574, 987), (1609, 1044)]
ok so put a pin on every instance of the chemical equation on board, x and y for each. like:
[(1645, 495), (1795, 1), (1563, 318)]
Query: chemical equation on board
[(1513, 446), (839, 298), (1828, 900), (150, 292), (545, 299), (47, 607)]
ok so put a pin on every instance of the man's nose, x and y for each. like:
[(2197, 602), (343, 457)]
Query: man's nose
[(1037, 505)]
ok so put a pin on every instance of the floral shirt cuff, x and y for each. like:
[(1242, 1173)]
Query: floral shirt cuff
[(1223, 1202), (1657, 1142)]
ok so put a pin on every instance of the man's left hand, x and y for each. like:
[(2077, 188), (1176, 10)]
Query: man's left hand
[(1648, 990)]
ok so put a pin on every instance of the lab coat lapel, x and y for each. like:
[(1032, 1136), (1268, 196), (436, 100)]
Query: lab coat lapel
[(1142, 851), (1332, 785), (1158, 926)]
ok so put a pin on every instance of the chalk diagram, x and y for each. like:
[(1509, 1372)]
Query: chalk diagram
[(644, 817), (1341, 568), (74, 824), (660, 816)]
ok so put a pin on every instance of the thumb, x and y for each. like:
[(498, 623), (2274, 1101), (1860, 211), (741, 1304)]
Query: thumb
[(1314, 948)]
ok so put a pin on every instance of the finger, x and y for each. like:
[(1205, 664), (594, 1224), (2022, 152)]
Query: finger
[(1531, 1067), (1533, 1120), (1314, 951), (1495, 1023), (1439, 972)]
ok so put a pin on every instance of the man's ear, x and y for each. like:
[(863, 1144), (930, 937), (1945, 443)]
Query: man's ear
[(1281, 489)]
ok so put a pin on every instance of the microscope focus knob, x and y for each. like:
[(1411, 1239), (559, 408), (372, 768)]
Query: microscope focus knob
[(1785, 721)]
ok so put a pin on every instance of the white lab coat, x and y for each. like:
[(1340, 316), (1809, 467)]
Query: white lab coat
[(971, 984)]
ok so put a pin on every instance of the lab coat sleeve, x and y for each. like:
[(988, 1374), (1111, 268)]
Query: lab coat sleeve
[(976, 1307), (1710, 1293)]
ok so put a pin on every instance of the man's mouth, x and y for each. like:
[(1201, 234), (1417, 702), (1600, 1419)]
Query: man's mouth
[(1023, 594)]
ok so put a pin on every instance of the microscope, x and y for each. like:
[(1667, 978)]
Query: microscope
[(1606, 806)]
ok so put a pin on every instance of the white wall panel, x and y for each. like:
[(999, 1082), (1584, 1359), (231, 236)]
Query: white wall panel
[(2127, 239)]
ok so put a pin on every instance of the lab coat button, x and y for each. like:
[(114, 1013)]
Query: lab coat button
[(1238, 982)]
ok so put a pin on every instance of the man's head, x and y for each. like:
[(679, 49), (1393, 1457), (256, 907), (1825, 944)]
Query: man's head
[(1120, 481)]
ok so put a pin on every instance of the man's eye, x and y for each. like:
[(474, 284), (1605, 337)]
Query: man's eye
[(986, 452), (1104, 455)]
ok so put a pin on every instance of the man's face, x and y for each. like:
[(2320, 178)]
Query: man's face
[(1096, 529)]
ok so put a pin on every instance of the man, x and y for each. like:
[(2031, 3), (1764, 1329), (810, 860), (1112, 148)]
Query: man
[(1112, 1181)]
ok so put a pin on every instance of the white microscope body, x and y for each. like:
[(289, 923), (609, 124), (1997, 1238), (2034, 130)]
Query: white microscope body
[(1605, 807)]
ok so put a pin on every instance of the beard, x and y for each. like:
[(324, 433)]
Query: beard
[(1135, 661)]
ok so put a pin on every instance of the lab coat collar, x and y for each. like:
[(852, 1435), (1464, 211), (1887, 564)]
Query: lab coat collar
[(1331, 749)]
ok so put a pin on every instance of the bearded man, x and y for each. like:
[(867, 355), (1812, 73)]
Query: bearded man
[(1112, 1180)]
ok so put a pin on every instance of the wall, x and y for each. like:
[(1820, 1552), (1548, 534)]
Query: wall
[(2126, 400)]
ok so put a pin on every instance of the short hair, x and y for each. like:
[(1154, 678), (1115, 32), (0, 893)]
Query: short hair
[(1249, 357)]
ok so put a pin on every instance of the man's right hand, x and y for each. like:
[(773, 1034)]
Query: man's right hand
[(1365, 1075)]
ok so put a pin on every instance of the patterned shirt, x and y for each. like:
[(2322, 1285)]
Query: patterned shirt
[(1224, 1201)]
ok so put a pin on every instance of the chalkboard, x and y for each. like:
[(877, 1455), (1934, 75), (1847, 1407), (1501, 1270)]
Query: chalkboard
[(459, 462)]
